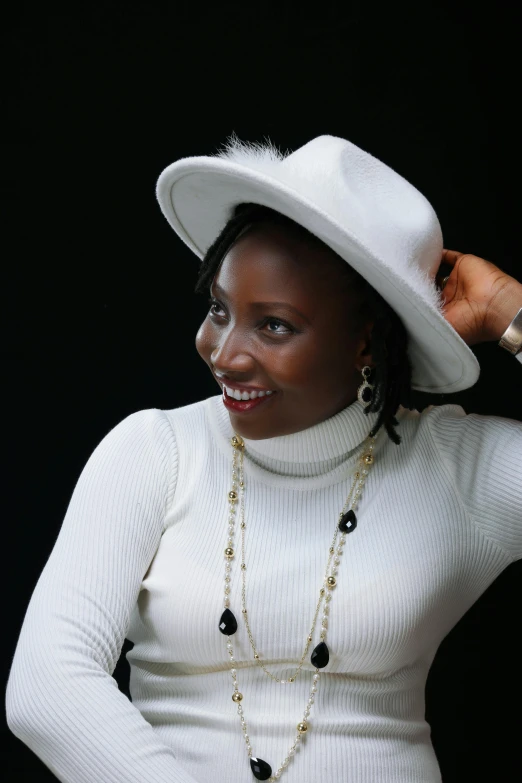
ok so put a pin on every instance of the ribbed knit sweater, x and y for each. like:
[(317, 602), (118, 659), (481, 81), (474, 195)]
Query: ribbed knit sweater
[(141, 555)]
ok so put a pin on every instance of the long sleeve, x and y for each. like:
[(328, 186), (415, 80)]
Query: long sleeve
[(61, 698), (483, 458)]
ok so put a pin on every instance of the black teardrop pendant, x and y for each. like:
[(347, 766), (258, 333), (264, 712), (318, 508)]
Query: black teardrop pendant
[(367, 394), (320, 656), (348, 522), (260, 768), (227, 623)]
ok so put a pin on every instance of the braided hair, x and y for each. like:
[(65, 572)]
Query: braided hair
[(391, 376)]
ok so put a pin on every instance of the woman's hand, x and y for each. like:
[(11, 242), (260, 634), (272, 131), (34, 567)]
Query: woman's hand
[(480, 300)]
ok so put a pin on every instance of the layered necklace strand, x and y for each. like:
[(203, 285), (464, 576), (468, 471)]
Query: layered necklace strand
[(346, 524)]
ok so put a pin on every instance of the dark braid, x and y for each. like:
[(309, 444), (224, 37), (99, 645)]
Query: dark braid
[(391, 376)]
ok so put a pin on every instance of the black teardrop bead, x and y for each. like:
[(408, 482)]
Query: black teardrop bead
[(367, 394), (227, 623), (348, 522), (261, 770), (320, 656)]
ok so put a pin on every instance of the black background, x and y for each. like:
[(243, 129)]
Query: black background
[(98, 306)]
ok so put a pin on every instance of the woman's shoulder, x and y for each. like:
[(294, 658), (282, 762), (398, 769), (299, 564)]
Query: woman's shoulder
[(191, 417), (433, 414), (449, 423), (193, 425), (156, 428), (480, 458), (190, 414)]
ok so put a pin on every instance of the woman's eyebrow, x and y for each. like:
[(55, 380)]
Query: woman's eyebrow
[(222, 293)]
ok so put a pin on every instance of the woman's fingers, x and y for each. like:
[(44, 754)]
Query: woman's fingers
[(450, 257)]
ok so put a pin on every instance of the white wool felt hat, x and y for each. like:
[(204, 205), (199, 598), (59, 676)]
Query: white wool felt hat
[(366, 212)]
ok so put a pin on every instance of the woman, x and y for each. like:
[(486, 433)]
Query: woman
[(287, 555)]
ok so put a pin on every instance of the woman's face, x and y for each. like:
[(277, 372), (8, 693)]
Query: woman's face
[(285, 317)]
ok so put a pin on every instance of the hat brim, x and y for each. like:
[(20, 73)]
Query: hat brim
[(197, 196)]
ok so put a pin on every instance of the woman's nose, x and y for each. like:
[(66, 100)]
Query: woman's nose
[(232, 354)]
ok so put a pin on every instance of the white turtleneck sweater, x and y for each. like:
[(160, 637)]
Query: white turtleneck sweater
[(141, 555)]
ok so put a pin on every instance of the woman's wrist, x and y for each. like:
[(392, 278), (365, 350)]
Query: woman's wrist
[(503, 308)]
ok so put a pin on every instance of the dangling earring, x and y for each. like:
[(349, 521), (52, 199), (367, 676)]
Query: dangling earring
[(365, 391)]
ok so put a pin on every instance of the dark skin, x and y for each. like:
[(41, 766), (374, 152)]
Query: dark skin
[(312, 361)]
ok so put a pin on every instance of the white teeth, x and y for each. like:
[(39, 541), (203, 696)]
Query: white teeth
[(237, 395)]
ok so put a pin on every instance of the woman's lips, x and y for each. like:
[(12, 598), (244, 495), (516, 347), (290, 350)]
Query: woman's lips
[(241, 406)]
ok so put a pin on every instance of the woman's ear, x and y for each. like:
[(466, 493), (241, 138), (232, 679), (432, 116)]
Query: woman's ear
[(363, 356)]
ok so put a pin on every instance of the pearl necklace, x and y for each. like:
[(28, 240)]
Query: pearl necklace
[(346, 523)]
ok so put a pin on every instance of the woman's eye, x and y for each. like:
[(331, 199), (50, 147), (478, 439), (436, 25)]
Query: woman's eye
[(213, 304), (284, 328)]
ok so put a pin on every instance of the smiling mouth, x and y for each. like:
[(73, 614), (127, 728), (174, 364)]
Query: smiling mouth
[(243, 394), (245, 405)]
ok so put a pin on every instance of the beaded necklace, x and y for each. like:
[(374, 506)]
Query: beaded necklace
[(346, 524)]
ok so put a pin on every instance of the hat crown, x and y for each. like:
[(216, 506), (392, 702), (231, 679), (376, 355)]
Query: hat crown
[(379, 207)]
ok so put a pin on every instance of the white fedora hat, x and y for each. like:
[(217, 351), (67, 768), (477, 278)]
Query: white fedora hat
[(366, 212)]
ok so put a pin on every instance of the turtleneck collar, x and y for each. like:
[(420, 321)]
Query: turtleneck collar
[(318, 451), (331, 438)]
